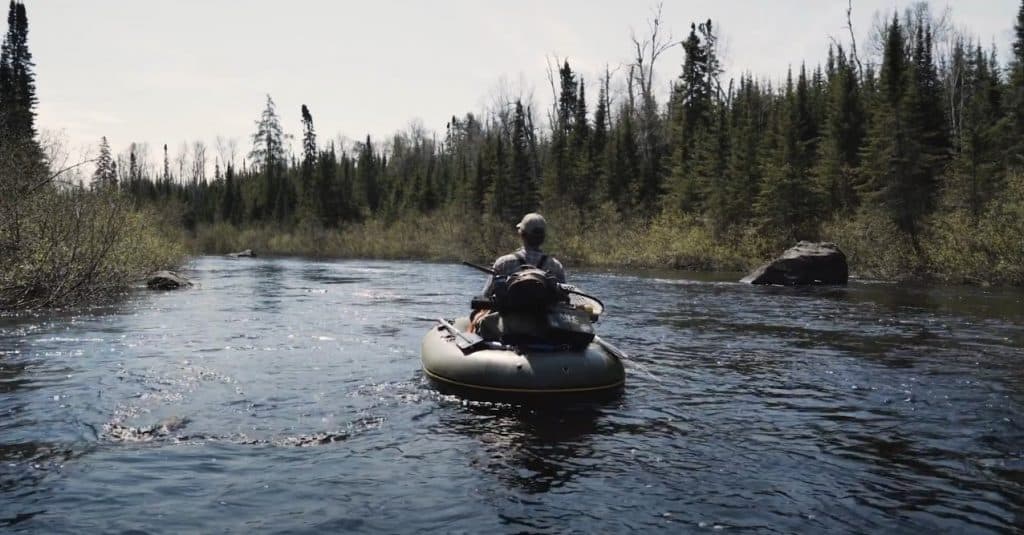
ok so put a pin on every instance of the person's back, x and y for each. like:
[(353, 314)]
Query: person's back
[(532, 231)]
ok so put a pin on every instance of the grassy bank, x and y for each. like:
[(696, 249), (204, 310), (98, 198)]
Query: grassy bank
[(603, 239), (954, 248), (70, 246)]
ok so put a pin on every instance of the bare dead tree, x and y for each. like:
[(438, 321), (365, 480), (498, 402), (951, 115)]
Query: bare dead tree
[(181, 159), (198, 162), (853, 39), (221, 144), (606, 84), (551, 71), (647, 52)]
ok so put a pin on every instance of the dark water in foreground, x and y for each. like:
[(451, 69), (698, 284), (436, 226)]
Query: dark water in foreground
[(295, 402)]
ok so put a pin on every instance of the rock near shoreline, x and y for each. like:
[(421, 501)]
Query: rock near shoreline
[(167, 280)]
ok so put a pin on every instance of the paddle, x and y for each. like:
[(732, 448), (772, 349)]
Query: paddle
[(465, 341)]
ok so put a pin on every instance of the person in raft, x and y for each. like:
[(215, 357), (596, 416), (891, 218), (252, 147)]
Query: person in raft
[(532, 231)]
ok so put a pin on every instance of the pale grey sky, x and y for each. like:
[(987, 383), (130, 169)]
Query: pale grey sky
[(185, 70)]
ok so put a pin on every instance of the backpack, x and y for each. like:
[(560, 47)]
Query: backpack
[(529, 289)]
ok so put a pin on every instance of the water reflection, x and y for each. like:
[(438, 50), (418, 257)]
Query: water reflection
[(11, 376), (533, 451), (268, 285)]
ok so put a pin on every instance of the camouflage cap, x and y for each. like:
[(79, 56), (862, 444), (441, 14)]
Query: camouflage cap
[(532, 223)]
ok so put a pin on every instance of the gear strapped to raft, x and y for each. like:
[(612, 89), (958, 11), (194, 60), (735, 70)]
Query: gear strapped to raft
[(535, 308)]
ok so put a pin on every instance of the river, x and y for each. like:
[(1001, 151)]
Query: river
[(287, 395)]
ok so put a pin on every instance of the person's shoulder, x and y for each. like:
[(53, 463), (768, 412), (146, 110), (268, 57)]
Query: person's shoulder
[(505, 261), (555, 262)]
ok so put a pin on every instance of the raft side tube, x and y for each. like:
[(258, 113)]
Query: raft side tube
[(592, 371)]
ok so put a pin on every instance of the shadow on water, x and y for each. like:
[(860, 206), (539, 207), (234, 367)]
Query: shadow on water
[(325, 274), (268, 283), (530, 450), (11, 376)]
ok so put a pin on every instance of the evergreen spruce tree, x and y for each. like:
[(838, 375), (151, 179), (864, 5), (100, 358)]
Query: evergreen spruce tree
[(105, 176), (599, 145), (975, 172), (1015, 97), (18, 91), (524, 187), (893, 165), (581, 165), (369, 195), (500, 195), (927, 117), (786, 202), (691, 118), (622, 178), (842, 135), (733, 200), (227, 201), (268, 158), (559, 177), (308, 204)]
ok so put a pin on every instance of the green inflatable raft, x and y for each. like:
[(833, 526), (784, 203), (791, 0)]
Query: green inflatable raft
[(464, 364)]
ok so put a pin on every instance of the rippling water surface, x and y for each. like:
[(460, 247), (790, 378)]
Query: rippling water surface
[(286, 395)]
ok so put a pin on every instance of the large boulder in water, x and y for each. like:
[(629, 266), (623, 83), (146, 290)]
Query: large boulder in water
[(243, 254), (167, 280), (806, 263)]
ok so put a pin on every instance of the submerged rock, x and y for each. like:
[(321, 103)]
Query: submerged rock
[(806, 263), (164, 428), (243, 254), (167, 280)]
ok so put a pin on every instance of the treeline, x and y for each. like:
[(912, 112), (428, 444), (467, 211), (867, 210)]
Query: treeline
[(911, 163), (60, 244)]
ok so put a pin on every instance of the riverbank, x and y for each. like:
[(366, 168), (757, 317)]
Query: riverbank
[(72, 246), (954, 248)]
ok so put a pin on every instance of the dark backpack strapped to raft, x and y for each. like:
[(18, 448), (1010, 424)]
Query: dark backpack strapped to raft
[(528, 289), (535, 309)]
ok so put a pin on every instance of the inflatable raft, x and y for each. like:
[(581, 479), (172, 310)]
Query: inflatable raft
[(460, 363)]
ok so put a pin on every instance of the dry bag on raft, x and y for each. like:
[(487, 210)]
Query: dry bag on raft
[(535, 310)]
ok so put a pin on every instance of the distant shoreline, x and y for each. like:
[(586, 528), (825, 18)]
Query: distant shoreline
[(662, 244)]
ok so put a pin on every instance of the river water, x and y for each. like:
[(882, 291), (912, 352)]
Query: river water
[(287, 395)]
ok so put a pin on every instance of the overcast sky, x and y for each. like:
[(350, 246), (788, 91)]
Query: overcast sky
[(185, 70)]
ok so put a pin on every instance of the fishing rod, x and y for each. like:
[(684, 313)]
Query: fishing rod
[(478, 267)]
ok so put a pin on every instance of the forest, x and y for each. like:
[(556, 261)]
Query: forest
[(910, 162)]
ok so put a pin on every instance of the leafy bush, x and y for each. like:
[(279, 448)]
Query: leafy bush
[(70, 246)]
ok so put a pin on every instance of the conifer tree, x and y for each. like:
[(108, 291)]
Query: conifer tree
[(786, 202), (524, 187), (309, 157), (17, 79), (18, 91), (842, 135), (599, 145), (622, 186), (500, 195), (733, 200), (105, 176), (975, 173), (267, 157), (369, 194), (1015, 97), (559, 177), (893, 157), (581, 164), (691, 109)]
